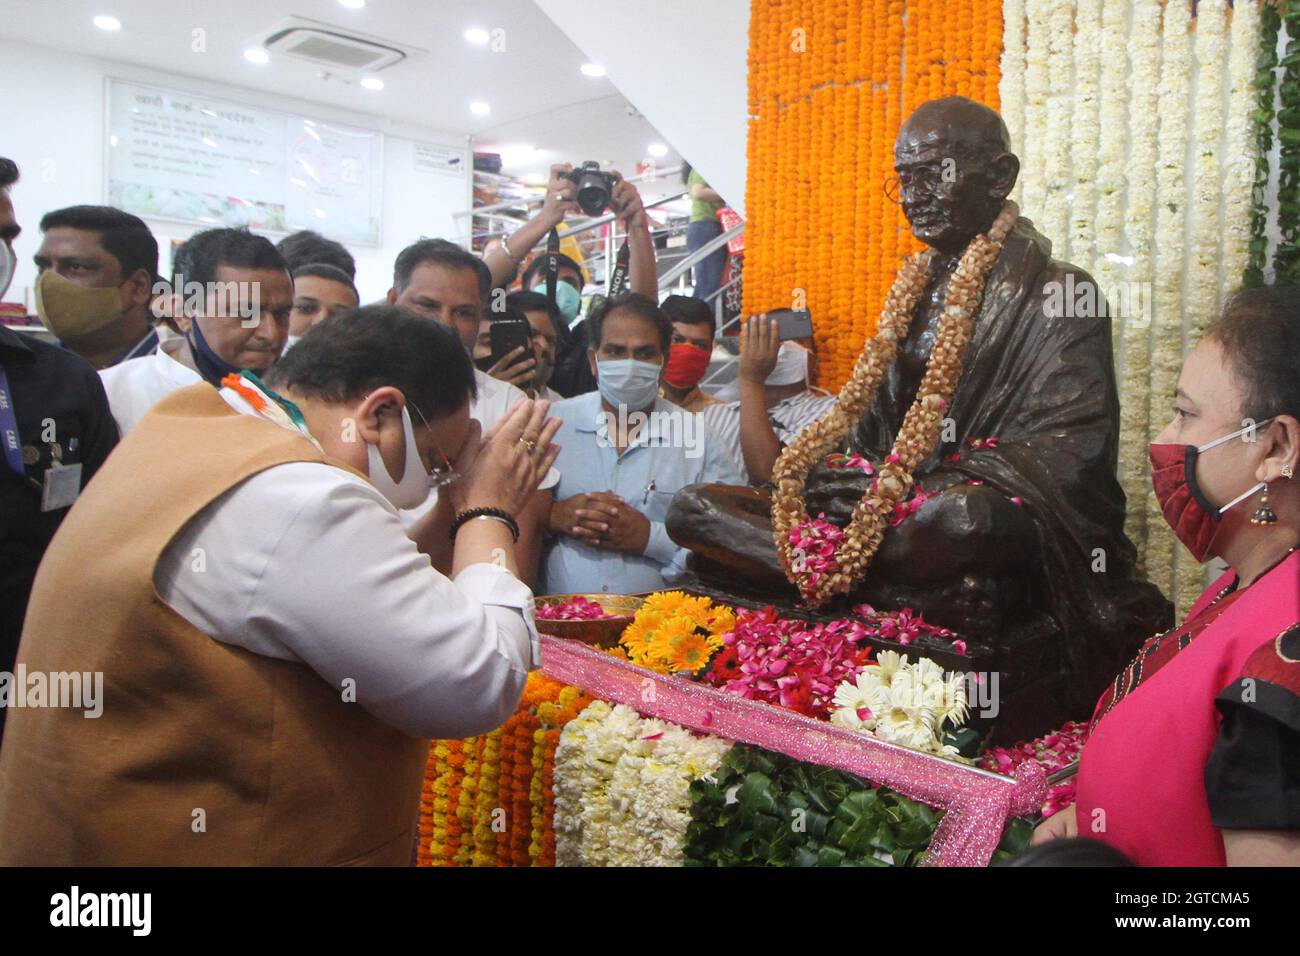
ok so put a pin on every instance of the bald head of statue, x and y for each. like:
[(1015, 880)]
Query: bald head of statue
[(955, 168)]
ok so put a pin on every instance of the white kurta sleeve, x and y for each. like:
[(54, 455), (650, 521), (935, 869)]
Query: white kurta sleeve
[(338, 585)]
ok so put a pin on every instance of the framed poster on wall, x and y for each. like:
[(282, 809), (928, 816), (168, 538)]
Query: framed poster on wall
[(209, 161)]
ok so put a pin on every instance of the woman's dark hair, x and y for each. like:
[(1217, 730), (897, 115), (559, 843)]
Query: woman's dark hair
[(351, 354), (307, 248), (686, 172), (323, 270), (639, 305), (1260, 332)]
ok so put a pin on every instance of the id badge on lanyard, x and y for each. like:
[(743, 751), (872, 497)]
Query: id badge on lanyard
[(62, 483)]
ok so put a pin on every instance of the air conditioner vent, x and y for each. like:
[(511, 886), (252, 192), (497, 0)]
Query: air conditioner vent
[(338, 51)]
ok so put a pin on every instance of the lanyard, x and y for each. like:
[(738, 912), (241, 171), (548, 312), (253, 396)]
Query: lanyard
[(9, 428), (552, 264), (618, 282)]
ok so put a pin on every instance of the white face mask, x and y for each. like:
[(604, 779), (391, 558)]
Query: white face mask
[(791, 365), (413, 488)]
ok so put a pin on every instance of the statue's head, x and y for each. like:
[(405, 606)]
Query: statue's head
[(955, 168)]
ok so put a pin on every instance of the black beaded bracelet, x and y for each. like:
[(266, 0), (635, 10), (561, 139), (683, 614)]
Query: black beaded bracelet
[(495, 513)]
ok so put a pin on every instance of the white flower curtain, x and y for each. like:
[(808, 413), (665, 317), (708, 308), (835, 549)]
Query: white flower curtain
[(1132, 119)]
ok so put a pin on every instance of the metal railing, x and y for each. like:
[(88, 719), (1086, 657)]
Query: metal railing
[(706, 250), (529, 202)]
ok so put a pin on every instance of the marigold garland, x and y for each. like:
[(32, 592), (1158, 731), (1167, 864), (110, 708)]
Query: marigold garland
[(824, 114), (917, 436), (488, 801)]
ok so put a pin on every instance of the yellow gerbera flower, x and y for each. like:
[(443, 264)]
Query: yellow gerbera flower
[(665, 637), (665, 603), (690, 652)]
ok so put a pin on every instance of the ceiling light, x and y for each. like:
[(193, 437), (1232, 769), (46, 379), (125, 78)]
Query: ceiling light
[(352, 4), (536, 179), (372, 83), (108, 23), (593, 70), (479, 108), (257, 55), (477, 36), (657, 149)]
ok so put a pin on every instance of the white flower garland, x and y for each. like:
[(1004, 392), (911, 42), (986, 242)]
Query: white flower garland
[(1240, 149), (1170, 263), (1203, 288), (1060, 113), (1011, 88), (1139, 227), (622, 787), (1086, 120), (1037, 91)]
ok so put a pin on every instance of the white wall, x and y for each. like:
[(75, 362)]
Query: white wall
[(684, 65), (53, 127)]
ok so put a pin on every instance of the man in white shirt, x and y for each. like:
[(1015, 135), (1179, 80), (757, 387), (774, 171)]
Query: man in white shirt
[(273, 650), (440, 280), (362, 601), (232, 299)]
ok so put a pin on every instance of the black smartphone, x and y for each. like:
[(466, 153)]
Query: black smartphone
[(508, 335), (792, 324)]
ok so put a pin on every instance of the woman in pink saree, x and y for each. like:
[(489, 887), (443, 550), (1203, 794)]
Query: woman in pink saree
[(1193, 757)]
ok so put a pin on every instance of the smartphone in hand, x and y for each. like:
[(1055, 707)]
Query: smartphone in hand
[(507, 335), (792, 324)]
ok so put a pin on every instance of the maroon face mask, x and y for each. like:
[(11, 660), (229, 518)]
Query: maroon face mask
[(1194, 519)]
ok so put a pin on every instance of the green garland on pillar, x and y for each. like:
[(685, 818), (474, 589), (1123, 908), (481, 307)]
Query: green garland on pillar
[(1286, 260), (1263, 115)]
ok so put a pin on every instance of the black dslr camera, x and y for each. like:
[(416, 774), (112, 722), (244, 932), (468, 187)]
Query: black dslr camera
[(594, 187)]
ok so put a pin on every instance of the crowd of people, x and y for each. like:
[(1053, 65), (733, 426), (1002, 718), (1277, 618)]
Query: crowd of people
[(249, 503), (418, 487)]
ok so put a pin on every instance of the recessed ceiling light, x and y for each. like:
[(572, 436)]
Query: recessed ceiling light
[(257, 55), (477, 35), (479, 108), (108, 23), (352, 4), (594, 70), (657, 149), (372, 82)]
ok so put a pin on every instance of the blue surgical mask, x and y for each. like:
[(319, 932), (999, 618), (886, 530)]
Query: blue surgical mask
[(567, 299), (627, 382), (211, 366)]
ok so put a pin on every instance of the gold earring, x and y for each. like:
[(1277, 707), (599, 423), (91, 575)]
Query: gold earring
[(1288, 471), (1264, 514)]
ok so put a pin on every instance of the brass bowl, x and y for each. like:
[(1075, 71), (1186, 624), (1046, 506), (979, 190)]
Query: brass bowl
[(600, 633)]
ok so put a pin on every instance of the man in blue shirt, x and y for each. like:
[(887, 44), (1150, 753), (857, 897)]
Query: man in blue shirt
[(625, 453)]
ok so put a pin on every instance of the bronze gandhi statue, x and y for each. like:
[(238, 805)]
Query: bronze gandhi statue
[(1024, 530)]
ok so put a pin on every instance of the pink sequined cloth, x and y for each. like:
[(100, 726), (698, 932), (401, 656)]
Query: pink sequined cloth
[(977, 802)]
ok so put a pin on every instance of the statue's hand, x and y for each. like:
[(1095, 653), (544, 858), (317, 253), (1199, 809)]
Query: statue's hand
[(835, 492)]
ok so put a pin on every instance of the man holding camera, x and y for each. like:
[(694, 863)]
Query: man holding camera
[(572, 374)]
